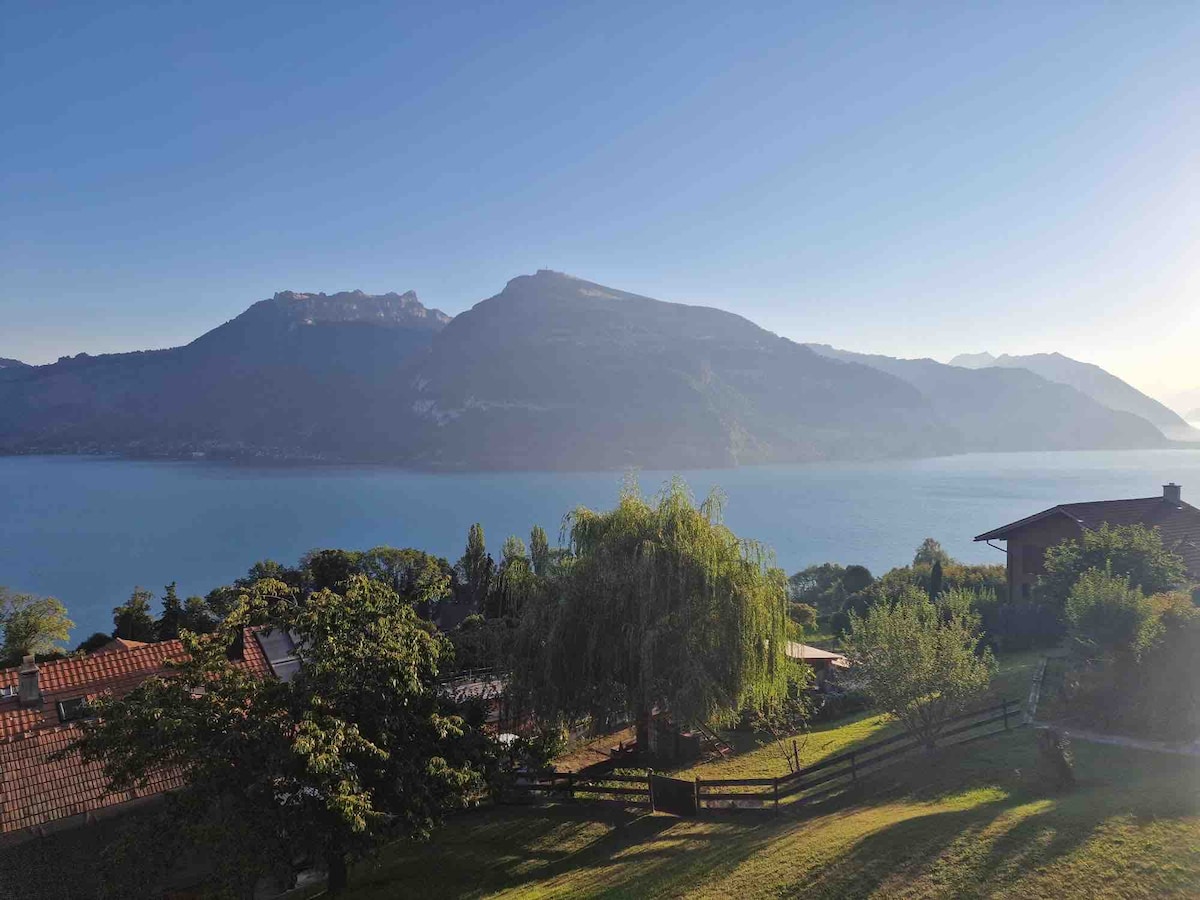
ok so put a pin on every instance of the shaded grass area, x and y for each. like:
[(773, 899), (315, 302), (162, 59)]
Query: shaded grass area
[(975, 821), (759, 757)]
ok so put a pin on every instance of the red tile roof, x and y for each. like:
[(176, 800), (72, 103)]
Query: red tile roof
[(1178, 523), (34, 789)]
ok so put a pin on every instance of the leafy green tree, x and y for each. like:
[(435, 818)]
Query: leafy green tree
[(820, 586), (920, 663), (475, 570), (1136, 552), (171, 619), (1107, 617), (935, 580), (330, 568), (31, 625), (661, 606), (420, 578), (539, 551), (803, 615), (513, 581), (358, 748), (197, 616), (133, 620), (856, 579), (931, 552), (94, 642)]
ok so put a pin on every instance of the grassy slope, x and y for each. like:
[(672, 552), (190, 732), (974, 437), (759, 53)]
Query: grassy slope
[(977, 821)]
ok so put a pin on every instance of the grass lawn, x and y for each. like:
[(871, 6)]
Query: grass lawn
[(974, 821), (977, 821)]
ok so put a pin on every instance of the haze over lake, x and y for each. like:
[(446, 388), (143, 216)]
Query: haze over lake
[(87, 530)]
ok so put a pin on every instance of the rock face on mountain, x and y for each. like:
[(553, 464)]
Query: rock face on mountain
[(296, 376), (1100, 385), (558, 372), (553, 372), (998, 408), (12, 364)]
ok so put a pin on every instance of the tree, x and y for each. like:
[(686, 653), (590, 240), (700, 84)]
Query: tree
[(359, 747), (513, 581), (856, 579), (935, 580), (330, 568), (97, 640), (31, 625), (1133, 551), (662, 606), (197, 616), (539, 551), (1108, 618), (803, 615), (931, 552), (132, 620), (475, 569), (172, 615), (421, 579), (921, 664)]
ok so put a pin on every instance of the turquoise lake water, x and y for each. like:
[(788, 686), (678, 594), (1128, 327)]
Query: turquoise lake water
[(88, 530)]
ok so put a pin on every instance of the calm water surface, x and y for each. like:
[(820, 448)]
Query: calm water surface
[(88, 530)]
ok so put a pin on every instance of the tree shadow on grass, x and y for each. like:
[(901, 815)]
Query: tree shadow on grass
[(507, 848), (954, 852)]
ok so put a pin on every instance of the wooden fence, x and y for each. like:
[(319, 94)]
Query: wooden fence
[(806, 784)]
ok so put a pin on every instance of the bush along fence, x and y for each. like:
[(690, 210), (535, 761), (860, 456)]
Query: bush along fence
[(690, 797)]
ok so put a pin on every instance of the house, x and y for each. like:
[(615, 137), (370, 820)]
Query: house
[(41, 705), (824, 662), (1028, 539)]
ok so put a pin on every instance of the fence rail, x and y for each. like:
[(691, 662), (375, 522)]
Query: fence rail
[(830, 775)]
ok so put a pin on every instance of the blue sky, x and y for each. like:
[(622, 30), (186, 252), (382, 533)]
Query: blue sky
[(915, 179)]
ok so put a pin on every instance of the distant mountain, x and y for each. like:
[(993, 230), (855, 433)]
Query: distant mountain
[(556, 372), (1101, 386), (12, 364), (553, 372), (999, 408), (1194, 415), (295, 376)]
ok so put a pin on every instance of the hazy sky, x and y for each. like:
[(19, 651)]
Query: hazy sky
[(915, 179)]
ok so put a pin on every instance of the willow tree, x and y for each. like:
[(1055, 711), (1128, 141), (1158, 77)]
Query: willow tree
[(660, 606)]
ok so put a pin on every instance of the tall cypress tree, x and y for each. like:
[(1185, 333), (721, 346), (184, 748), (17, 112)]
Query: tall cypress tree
[(475, 569), (172, 615)]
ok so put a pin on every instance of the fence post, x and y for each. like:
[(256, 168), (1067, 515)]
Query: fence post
[(1004, 703)]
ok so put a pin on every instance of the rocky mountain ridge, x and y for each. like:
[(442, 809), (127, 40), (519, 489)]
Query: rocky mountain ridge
[(553, 372)]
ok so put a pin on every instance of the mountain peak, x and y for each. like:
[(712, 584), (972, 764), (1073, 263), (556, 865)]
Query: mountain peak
[(389, 310), (974, 360)]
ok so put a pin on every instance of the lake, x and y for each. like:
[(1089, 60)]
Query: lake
[(88, 530)]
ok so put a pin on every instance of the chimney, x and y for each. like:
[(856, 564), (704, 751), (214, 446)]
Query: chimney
[(29, 692), (1173, 493)]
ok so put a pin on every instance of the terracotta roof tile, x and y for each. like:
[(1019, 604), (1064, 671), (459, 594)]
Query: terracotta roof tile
[(34, 789)]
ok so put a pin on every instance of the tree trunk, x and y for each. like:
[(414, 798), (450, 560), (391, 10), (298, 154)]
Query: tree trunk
[(644, 723), (335, 864)]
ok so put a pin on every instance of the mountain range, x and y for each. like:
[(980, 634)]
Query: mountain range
[(1090, 379), (553, 372)]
